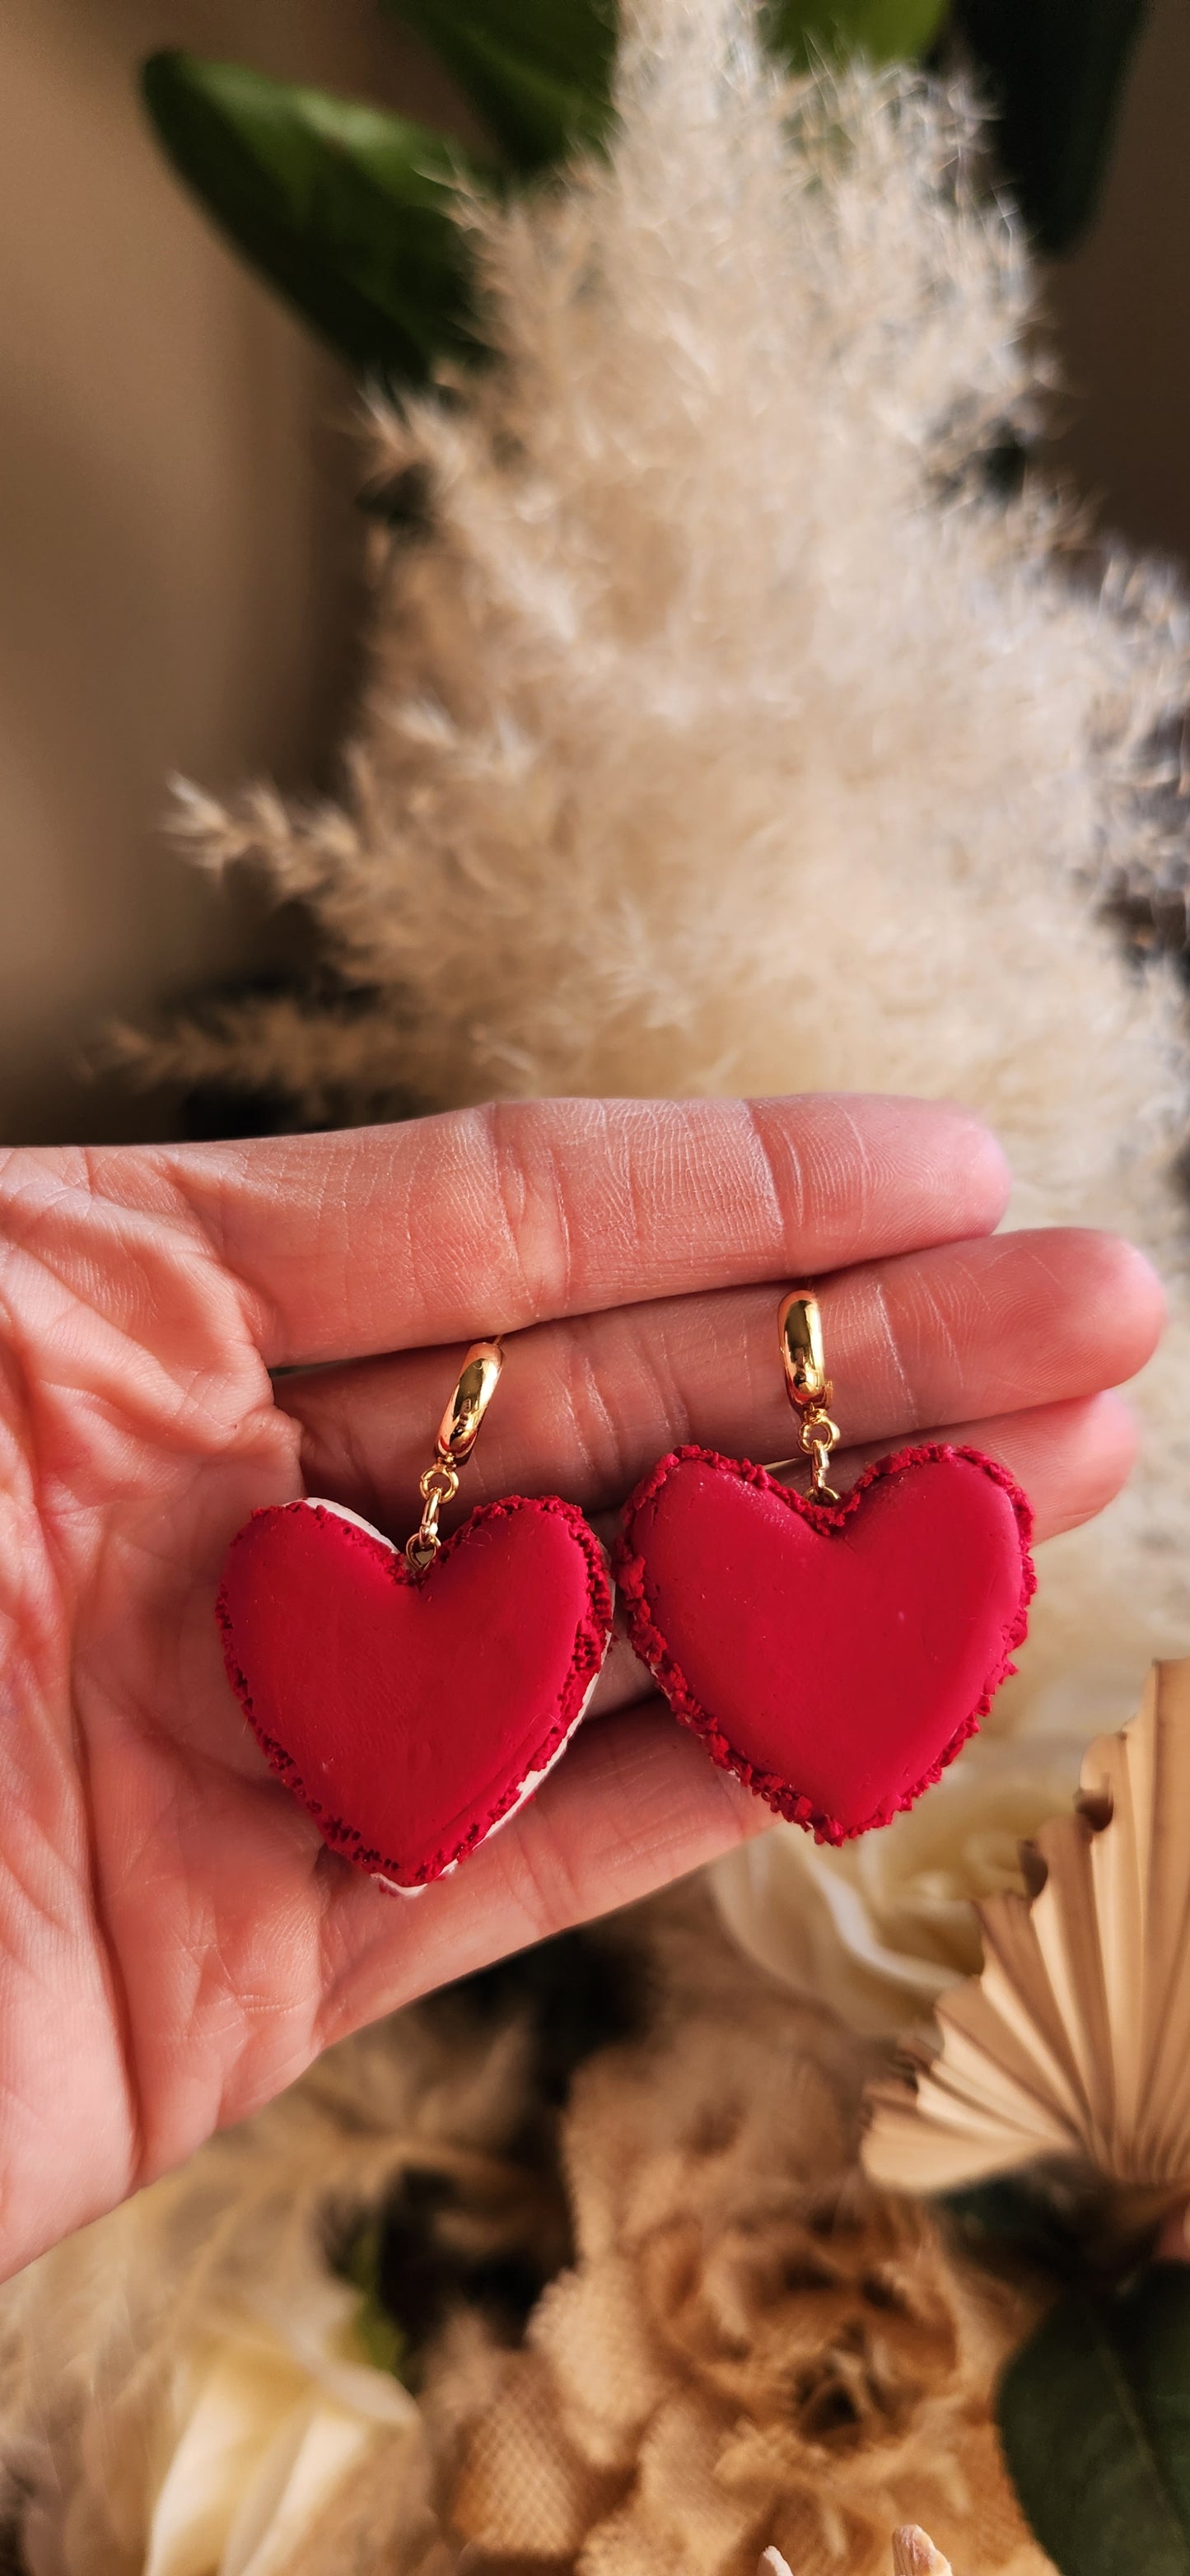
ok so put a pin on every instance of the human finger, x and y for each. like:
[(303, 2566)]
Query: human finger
[(488, 1220), (917, 1343)]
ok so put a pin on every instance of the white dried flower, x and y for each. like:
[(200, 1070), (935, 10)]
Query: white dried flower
[(262, 2426)]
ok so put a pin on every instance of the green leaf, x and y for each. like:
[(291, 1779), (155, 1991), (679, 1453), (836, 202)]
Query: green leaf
[(1014, 2210), (1094, 2415), (885, 31), (347, 210), (377, 2333), (380, 2338), (1057, 70), (538, 72)]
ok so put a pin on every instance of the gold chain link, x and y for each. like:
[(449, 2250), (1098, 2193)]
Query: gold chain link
[(439, 1485), (817, 1436)]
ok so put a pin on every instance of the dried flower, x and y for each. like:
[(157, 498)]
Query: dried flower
[(262, 2425), (1073, 2044), (752, 2342)]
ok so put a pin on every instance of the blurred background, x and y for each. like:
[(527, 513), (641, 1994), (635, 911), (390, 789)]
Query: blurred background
[(180, 543)]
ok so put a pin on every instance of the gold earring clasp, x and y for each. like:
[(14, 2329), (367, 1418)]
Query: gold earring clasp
[(803, 1358), (458, 1432)]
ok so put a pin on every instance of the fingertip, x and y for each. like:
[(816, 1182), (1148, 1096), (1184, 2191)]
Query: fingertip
[(984, 1174), (1095, 1442), (1113, 1435), (1070, 1458), (948, 1158), (1141, 1301), (1105, 1294)]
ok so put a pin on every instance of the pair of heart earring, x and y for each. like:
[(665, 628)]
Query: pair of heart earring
[(833, 1652)]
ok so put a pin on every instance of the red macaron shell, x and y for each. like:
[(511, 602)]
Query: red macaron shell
[(834, 1656), (411, 1714)]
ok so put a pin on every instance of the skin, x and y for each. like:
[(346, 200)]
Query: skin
[(175, 1942)]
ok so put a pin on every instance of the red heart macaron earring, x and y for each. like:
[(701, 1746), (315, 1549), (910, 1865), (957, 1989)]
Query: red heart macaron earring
[(414, 1701), (834, 1653)]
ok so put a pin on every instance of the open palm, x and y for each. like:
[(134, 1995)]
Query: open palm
[(175, 1942)]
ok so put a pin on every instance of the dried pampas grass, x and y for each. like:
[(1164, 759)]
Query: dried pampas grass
[(723, 732)]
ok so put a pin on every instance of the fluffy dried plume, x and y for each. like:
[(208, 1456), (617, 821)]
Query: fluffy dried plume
[(717, 647)]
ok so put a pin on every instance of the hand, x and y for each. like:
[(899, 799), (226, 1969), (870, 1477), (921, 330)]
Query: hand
[(176, 1942)]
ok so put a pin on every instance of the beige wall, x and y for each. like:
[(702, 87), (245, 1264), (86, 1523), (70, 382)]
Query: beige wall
[(178, 546), (1123, 306), (178, 543)]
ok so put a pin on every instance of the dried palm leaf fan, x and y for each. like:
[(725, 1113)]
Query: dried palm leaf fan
[(1073, 2045)]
